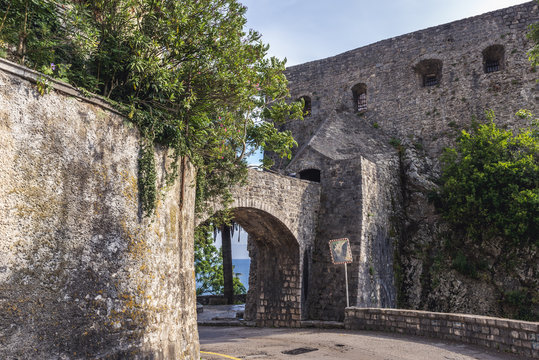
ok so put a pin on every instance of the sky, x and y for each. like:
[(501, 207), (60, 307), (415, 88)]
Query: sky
[(302, 30), (238, 244)]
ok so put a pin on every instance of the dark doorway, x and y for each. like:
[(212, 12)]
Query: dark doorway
[(310, 174)]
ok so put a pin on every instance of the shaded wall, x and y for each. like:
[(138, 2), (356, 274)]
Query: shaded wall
[(82, 273)]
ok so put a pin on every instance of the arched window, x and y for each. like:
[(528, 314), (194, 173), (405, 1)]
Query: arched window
[(359, 91), (429, 71), (310, 174), (493, 58), (307, 105)]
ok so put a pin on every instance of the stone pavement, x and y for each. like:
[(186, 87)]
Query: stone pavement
[(313, 344), (229, 315)]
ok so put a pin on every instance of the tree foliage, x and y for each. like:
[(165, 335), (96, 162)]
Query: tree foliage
[(490, 183), (186, 72), (209, 266)]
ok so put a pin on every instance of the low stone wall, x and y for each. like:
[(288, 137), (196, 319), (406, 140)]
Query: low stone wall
[(519, 337), (219, 299)]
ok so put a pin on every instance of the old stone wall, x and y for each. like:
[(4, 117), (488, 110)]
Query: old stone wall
[(360, 199), (396, 100), (380, 206), (380, 117), (83, 274), (518, 337)]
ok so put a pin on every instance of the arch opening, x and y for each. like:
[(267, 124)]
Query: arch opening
[(429, 72), (310, 174), (274, 295), (359, 93)]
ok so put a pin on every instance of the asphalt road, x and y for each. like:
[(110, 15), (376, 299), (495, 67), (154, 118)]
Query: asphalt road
[(313, 344)]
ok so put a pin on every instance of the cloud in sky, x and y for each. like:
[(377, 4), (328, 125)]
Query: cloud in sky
[(302, 30)]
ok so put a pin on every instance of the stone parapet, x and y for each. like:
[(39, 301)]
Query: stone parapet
[(518, 337)]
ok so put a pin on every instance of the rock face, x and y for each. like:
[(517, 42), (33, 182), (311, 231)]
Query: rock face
[(378, 119), (82, 273)]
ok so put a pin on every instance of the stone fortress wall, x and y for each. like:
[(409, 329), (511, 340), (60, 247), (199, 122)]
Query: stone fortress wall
[(415, 92), (393, 71)]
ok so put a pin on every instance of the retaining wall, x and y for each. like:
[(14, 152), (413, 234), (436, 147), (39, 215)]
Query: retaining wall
[(82, 273), (518, 337)]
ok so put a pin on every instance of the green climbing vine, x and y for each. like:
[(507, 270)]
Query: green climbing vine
[(147, 177)]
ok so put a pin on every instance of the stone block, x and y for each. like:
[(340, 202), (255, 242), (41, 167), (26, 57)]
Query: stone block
[(502, 323), (481, 321), (528, 326)]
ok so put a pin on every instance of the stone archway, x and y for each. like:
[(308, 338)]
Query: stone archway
[(280, 214), (275, 296)]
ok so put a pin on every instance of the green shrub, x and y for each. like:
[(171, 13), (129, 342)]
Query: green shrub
[(520, 304), (490, 184)]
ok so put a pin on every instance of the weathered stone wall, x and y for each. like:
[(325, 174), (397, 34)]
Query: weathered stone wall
[(82, 273), (380, 199), (359, 200), (277, 289), (377, 194), (518, 337)]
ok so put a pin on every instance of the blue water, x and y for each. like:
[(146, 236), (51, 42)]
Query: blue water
[(242, 266)]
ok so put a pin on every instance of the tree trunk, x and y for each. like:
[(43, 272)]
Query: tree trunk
[(226, 249)]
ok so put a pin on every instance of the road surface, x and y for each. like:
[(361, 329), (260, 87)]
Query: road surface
[(313, 344)]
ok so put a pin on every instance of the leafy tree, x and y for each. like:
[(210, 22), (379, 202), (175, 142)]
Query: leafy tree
[(209, 266), (186, 72), (490, 184)]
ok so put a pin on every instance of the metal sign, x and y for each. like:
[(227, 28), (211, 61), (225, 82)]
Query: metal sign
[(341, 254), (340, 251)]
